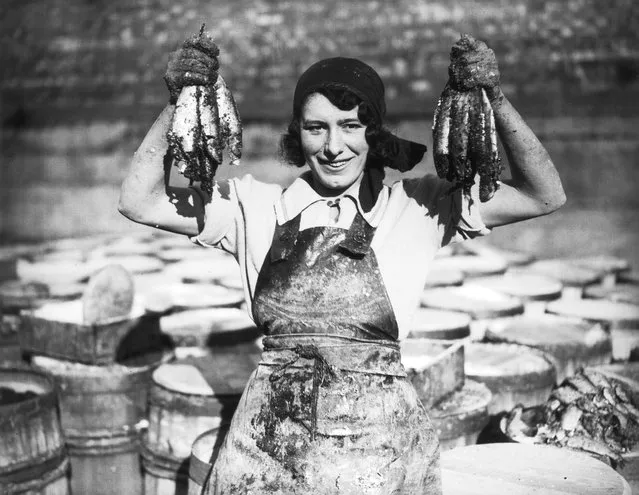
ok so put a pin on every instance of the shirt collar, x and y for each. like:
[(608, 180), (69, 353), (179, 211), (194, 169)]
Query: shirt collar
[(300, 195)]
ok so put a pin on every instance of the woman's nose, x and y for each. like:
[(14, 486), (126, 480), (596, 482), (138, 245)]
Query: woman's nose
[(334, 144)]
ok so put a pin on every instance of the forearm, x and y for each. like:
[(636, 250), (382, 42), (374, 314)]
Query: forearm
[(146, 181), (532, 170)]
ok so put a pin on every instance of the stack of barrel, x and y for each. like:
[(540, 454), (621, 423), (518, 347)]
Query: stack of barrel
[(529, 324)]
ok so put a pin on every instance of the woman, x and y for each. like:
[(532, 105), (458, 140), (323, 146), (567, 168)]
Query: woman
[(333, 267)]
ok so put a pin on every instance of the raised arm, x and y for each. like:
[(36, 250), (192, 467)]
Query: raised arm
[(535, 188), (146, 196)]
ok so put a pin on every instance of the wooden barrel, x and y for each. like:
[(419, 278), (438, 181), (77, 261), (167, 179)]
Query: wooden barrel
[(620, 292), (482, 305), (135, 264), (10, 351), (472, 265), (31, 436), (431, 323), (609, 266), (181, 296), (570, 342), (203, 455), (533, 416), (187, 398), (459, 418), (532, 289), (204, 328), (194, 271), (573, 278), (443, 277), (101, 408), (629, 277), (621, 319), (515, 374), (478, 247), (16, 295), (512, 468), (51, 481), (51, 272), (57, 330), (434, 367)]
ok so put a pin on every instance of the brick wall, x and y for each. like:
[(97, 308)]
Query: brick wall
[(74, 60)]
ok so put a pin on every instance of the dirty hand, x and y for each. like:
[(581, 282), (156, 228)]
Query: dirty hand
[(473, 64), (194, 64)]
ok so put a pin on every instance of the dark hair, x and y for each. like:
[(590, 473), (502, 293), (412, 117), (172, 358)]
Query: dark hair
[(380, 140)]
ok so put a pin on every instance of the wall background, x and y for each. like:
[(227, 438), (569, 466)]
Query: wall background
[(82, 81)]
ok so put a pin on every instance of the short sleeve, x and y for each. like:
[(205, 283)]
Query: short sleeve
[(221, 214), (458, 214)]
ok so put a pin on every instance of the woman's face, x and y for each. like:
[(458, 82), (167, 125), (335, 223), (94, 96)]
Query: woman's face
[(334, 144)]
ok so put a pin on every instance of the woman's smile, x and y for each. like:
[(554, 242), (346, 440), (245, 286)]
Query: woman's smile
[(334, 144)]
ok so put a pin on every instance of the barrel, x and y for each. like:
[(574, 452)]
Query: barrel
[(515, 374), (188, 397), (57, 330), (16, 295), (571, 343), (434, 367), (439, 324), (207, 327), (472, 265), (33, 457), (178, 296), (195, 271), (532, 289), (478, 247), (459, 418), (620, 292), (573, 278), (512, 468), (101, 408), (10, 351), (203, 454), (443, 277), (609, 266), (629, 277), (135, 264), (482, 305), (621, 319), (531, 417)]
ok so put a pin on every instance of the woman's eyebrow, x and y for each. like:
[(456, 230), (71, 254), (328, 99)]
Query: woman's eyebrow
[(349, 121)]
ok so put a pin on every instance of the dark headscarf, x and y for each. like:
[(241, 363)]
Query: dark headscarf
[(362, 80)]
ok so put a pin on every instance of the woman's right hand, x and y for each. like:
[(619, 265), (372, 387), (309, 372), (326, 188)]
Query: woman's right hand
[(194, 64)]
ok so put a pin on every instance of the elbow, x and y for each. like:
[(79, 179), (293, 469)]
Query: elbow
[(554, 201), (130, 208)]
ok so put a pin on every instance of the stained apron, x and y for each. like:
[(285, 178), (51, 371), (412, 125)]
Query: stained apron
[(329, 409)]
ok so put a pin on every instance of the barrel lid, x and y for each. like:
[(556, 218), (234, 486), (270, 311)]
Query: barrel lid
[(602, 263), (596, 310), (22, 294), (439, 324), (132, 263), (418, 354), (232, 281), (472, 265), (217, 373), (197, 295), (623, 292), (69, 290), (203, 271), (479, 303), (207, 320), (566, 272), (510, 468), (443, 277), (631, 277), (526, 286), (190, 253), (54, 271), (480, 247), (182, 377), (126, 246), (546, 330), (72, 311), (496, 360), (472, 397)]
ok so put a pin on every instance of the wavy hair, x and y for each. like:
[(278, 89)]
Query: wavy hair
[(381, 142)]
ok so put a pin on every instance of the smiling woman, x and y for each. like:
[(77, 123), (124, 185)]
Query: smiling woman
[(333, 267)]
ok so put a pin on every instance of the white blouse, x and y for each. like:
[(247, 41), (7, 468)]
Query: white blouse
[(413, 219)]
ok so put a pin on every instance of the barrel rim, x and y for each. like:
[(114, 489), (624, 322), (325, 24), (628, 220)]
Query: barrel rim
[(38, 480)]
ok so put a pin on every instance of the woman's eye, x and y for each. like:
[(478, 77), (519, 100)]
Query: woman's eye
[(313, 129), (353, 127)]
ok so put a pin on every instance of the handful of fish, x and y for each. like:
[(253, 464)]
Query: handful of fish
[(587, 412), (464, 132), (205, 122)]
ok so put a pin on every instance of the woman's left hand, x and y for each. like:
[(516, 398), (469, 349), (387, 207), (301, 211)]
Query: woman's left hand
[(473, 64)]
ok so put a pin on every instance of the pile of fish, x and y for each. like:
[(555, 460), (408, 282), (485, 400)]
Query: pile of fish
[(586, 412), (464, 133), (205, 122)]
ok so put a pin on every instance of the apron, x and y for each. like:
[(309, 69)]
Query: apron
[(329, 409)]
